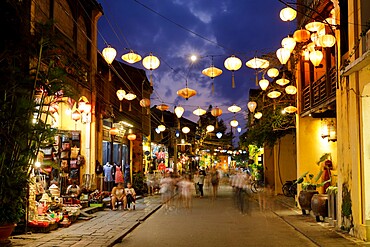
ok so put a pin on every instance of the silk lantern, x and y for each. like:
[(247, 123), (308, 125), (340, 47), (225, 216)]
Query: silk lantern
[(233, 63)]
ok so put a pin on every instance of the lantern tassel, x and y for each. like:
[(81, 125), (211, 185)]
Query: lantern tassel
[(109, 75), (216, 124), (233, 81), (162, 119), (147, 111), (151, 80), (120, 106), (129, 107), (213, 88)]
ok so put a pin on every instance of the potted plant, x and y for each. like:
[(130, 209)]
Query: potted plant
[(308, 190)]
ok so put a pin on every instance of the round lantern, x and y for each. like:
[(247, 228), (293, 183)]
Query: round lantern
[(210, 128), (185, 130), (151, 62), (273, 72), (291, 90), (233, 64), (327, 40), (316, 57), (301, 35), (76, 115), (145, 102), (264, 84), (121, 94), (258, 115), (288, 43), (314, 26), (234, 123), (282, 81), (288, 14), (131, 137), (216, 112), (252, 106), (131, 57), (283, 54), (161, 127), (179, 111), (109, 54), (273, 94), (234, 108)]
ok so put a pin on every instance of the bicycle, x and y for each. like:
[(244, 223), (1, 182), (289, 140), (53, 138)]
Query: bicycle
[(257, 186), (290, 188)]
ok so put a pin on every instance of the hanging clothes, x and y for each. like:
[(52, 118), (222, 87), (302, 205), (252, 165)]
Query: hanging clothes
[(118, 175)]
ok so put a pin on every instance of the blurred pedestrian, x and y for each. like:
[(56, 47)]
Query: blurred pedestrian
[(202, 175), (196, 183), (215, 179)]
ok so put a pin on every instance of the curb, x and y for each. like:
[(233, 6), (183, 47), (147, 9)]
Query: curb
[(150, 213), (119, 237)]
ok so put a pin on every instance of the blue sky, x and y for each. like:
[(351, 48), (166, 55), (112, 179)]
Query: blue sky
[(246, 28)]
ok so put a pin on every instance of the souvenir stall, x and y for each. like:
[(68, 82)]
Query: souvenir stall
[(159, 157)]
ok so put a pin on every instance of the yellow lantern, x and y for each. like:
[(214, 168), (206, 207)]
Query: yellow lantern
[(273, 72), (131, 137), (131, 57), (233, 64), (252, 106), (179, 111), (210, 128), (186, 93), (258, 115), (151, 63), (314, 26), (290, 109), (257, 63), (212, 72), (109, 54), (185, 130), (121, 95), (161, 127), (129, 97), (282, 81), (199, 111), (234, 123), (288, 43), (264, 84), (288, 14), (283, 54), (234, 108), (327, 40), (291, 90), (316, 57), (311, 46), (273, 94), (301, 35)]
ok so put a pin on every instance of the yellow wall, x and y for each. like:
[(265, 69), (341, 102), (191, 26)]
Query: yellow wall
[(310, 146)]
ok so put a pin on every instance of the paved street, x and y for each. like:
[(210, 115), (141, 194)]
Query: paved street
[(219, 223), (208, 223)]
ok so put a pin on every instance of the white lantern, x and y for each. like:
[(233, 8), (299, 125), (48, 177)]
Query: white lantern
[(234, 123), (210, 128), (316, 57), (258, 115), (264, 84), (291, 90), (161, 127), (179, 111), (273, 72), (185, 130), (219, 135), (283, 54), (109, 54), (288, 43), (288, 14), (282, 81)]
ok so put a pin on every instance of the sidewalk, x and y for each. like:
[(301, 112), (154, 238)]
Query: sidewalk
[(321, 233), (106, 229)]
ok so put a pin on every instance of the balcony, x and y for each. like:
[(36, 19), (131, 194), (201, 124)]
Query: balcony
[(320, 93)]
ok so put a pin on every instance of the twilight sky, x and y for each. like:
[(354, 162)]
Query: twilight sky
[(173, 30)]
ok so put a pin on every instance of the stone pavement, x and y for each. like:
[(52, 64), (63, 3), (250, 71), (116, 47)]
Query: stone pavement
[(106, 229), (110, 227)]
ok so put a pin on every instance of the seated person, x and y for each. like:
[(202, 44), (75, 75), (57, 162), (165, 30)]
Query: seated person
[(130, 195), (73, 190), (118, 195)]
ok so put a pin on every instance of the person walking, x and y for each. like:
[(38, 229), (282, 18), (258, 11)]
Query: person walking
[(215, 179), (202, 175), (196, 183)]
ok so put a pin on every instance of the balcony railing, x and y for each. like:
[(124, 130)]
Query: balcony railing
[(319, 92)]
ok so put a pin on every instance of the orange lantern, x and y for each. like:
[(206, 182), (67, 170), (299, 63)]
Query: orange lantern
[(212, 72), (145, 103), (252, 106), (131, 137), (113, 132), (186, 93), (162, 107), (301, 35), (216, 112), (233, 63)]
